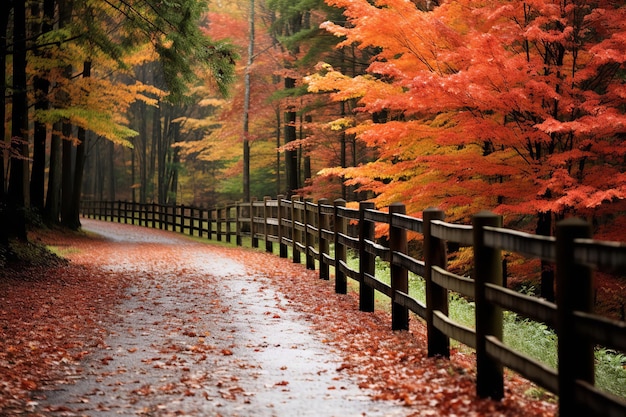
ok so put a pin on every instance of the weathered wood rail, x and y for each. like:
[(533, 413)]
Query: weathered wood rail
[(311, 229)]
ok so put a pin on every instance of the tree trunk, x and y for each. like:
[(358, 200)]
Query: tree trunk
[(38, 173), (161, 157), (143, 165), (41, 86), (344, 154), (156, 127), (56, 197), (278, 157), (291, 156), (544, 227), (133, 168), (110, 166), (53, 196), (306, 155), (67, 177), (174, 183), (246, 108), (172, 163), (18, 179), (79, 165), (4, 22), (91, 172)]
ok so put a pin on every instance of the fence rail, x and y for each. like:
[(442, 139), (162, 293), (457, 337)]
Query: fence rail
[(310, 229)]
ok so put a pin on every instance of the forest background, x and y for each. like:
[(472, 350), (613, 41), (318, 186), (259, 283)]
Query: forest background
[(512, 106)]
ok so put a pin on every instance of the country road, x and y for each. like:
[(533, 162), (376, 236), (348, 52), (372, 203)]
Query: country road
[(197, 335), (145, 322)]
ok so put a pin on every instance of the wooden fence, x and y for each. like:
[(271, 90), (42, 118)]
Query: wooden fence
[(312, 229)]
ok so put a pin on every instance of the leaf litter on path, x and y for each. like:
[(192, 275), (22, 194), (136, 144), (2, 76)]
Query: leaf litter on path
[(146, 322)]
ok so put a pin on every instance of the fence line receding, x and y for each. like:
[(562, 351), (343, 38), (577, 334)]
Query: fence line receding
[(321, 234)]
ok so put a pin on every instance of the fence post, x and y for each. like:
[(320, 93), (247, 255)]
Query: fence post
[(295, 233), (323, 246), (282, 247), (206, 216), (308, 236), (229, 223), (238, 227), (209, 222), (487, 270), (574, 292), (436, 296), (366, 260), (254, 241), (218, 223), (153, 214), (200, 219), (267, 213), (399, 275), (192, 223), (341, 283)]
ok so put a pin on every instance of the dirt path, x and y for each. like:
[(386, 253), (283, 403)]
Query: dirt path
[(198, 335), (150, 323)]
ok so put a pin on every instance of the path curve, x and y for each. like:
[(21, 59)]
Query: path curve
[(198, 335)]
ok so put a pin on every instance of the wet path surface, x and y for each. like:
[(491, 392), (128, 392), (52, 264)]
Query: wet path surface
[(197, 335)]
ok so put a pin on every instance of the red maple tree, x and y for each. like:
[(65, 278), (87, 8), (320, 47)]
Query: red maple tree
[(508, 105)]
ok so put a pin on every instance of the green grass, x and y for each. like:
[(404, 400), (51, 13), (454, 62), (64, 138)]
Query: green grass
[(529, 337), (611, 371), (62, 252)]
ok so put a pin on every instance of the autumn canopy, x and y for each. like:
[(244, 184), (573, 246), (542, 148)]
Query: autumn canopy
[(512, 106), (507, 105)]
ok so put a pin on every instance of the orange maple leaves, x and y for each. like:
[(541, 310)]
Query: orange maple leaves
[(518, 103)]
